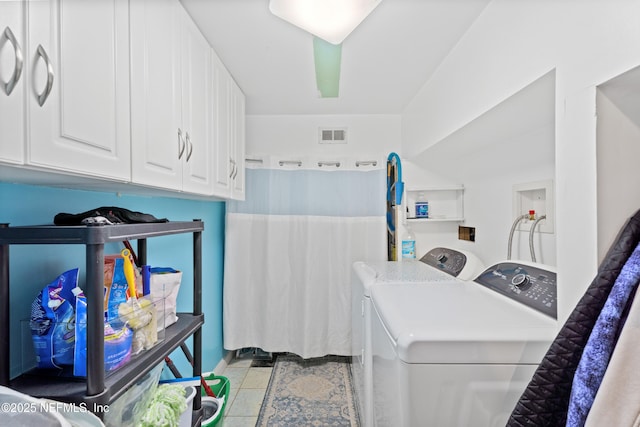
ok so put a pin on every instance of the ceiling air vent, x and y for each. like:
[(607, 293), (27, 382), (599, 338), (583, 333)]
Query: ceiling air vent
[(333, 136)]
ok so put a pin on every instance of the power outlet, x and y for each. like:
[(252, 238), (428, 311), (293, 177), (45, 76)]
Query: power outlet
[(467, 233)]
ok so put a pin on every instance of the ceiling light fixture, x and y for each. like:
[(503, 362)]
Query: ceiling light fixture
[(331, 20)]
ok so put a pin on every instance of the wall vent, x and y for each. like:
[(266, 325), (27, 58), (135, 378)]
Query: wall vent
[(332, 135)]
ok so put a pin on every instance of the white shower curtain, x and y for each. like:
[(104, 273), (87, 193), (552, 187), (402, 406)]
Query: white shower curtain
[(288, 254)]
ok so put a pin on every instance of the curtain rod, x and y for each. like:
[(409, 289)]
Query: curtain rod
[(290, 162), (366, 163), (260, 161), (329, 163)]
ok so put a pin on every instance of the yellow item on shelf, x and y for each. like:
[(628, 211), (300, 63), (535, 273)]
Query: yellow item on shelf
[(140, 314)]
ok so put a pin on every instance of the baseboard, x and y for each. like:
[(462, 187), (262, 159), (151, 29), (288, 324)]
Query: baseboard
[(224, 362)]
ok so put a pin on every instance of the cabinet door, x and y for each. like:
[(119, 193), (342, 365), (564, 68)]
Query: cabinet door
[(12, 81), (221, 115), (237, 142), (78, 94), (196, 109), (157, 136)]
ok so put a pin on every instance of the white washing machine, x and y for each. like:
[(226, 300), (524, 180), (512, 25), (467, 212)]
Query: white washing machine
[(460, 353), (438, 265)]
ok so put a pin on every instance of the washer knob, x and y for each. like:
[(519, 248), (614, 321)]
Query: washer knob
[(442, 258), (520, 280)]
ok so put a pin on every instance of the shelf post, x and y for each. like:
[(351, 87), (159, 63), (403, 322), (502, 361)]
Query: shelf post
[(95, 318), (142, 252), (5, 318), (197, 310)]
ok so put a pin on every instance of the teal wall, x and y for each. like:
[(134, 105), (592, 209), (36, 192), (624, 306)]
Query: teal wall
[(34, 266)]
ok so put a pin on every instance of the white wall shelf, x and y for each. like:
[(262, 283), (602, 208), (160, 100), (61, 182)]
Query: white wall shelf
[(424, 220), (446, 203)]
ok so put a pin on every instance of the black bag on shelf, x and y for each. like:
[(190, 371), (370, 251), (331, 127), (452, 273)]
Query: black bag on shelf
[(106, 215)]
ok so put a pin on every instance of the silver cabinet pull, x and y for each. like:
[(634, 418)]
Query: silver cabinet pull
[(47, 90), (181, 144), (233, 168), (17, 68), (235, 172), (190, 146)]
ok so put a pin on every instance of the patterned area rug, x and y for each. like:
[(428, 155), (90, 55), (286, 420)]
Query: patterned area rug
[(309, 392)]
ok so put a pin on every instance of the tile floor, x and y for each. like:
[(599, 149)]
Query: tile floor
[(248, 387)]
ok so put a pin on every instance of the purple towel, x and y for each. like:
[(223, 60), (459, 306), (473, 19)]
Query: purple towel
[(599, 347)]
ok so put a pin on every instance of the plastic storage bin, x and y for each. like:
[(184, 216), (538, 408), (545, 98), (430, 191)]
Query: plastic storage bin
[(119, 345), (128, 409), (25, 411), (165, 284), (187, 414)]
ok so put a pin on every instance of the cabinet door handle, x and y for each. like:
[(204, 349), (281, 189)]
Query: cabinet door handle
[(47, 90), (181, 144), (233, 168), (17, 68), (190, 147)]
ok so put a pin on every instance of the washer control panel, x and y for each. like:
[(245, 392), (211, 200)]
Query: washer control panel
[(448, 260), (530, 285)]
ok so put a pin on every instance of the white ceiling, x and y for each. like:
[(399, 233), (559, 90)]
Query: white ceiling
[(385, 61)]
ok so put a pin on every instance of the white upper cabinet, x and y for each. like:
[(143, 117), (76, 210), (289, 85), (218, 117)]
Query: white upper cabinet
[(170, 99), (120, 91), (77, 76), (221, 114), (196, 109), (229, 133), (12, 81), (237, 142), (157, 139)]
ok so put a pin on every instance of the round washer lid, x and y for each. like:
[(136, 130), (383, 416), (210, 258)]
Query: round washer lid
[(460, 322)]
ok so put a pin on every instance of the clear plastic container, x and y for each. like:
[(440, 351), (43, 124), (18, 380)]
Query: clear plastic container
[(187, 414), (22, 410), (128, 409)]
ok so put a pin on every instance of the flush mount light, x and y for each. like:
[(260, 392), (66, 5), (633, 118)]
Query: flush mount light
[(331, 20)]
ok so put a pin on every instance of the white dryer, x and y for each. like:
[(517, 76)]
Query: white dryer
[(460, 353), (436, 266)]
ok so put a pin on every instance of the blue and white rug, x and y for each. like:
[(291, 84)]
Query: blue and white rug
[(309, 392)]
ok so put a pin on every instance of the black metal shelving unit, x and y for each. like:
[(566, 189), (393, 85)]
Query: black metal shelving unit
[(100, 390)]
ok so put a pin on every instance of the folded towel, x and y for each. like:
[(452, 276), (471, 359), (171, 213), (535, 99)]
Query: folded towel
[(597, 352)]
